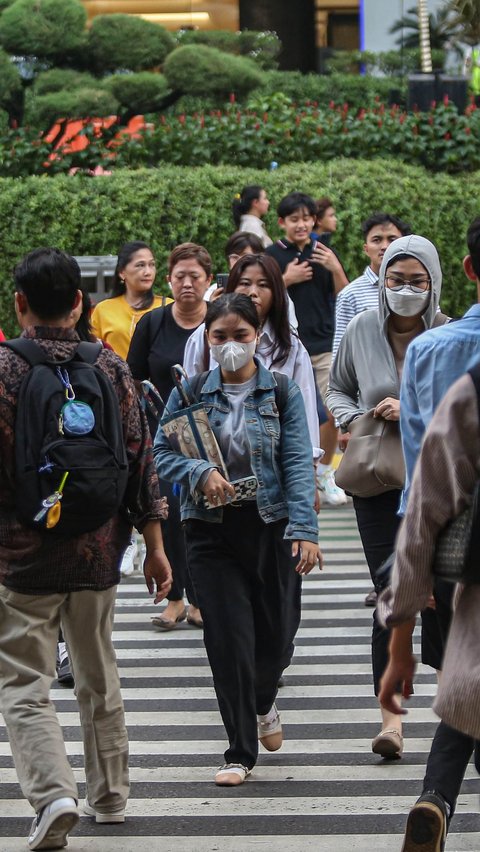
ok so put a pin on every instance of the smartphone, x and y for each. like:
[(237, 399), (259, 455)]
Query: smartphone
[(245, 489), (222, 279)]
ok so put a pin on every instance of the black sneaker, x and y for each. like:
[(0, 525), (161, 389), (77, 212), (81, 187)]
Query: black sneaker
[(427, 823)]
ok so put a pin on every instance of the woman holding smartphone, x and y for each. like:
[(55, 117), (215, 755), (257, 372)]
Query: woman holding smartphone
[(248, 586)]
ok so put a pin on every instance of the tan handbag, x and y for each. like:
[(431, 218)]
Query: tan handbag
[(373, 461)]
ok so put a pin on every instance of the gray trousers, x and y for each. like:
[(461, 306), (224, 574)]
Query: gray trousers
[(28, 640)]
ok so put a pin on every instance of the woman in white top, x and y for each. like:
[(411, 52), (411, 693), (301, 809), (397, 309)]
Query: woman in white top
[(279, 347), (248, 208)]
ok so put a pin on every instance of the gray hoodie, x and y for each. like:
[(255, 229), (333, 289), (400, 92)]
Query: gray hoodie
[(364, 371)]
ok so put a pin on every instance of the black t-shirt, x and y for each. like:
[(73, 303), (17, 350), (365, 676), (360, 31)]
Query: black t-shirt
[(157, 344), (314, 300)]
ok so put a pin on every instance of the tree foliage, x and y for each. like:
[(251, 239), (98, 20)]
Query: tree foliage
[(263, 47), (455, 23), (198, 70), (57, 79), (144, 90), (466, 15), (46, 29), (10, 82), (126, 42), (45, 110)]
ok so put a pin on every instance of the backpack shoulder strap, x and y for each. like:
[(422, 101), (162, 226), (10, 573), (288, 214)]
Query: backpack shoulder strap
[(88, 352), (281, 391), (475, 374), (28, 350)]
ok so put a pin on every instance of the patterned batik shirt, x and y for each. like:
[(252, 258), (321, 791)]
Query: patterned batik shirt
[(35, 562)]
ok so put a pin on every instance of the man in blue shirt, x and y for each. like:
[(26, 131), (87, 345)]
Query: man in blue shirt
[(434, 361)]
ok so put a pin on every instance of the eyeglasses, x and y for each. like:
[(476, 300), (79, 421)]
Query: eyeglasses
[(416, 285)]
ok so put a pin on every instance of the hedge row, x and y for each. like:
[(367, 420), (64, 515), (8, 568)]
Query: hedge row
[(86, 215), (271, 129)]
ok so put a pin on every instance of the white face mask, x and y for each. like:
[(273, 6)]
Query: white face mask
[(405, 303), (232, 355)]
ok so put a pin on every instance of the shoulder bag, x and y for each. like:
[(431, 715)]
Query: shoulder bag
[(373, 460)]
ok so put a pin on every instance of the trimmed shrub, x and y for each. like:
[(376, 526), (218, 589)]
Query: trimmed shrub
[(59, 79), (85, 215), (125, 41), (198, 70), (263, 47), (142, 92), (355, 90), (44, 110), (45, 29)]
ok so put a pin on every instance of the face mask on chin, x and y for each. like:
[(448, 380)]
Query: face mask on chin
[(233, 356), (407, 304)]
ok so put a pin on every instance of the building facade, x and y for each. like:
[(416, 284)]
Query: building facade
[(306, 27)]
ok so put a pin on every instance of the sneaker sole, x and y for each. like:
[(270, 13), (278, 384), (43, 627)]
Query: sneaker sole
[(104, 818), (425, 829), (56, 834)]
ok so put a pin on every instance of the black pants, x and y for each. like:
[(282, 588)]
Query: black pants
[(378, 526), (249, 594), (447, 763), (174, 543)]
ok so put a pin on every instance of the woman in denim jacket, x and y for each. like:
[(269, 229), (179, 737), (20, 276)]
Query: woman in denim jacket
[(246, 558)]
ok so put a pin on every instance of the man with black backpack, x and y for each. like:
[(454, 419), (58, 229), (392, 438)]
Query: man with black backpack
[(76, 472)]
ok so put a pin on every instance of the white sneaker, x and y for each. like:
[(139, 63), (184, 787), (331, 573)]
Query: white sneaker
[(127, 565), (111, 817), (52, 824), (141, 555), (331, 493)]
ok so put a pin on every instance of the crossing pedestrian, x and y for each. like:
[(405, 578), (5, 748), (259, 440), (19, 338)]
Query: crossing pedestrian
[(158, 343), (248, 209), (246, 556), (366, 375), (433, 363), (48, 578)]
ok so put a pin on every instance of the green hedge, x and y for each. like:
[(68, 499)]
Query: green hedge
[(85, 215)]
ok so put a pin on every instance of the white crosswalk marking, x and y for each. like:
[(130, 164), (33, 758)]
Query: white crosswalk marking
[(323, 791)]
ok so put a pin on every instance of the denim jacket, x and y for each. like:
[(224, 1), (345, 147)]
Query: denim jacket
[(280, 451)]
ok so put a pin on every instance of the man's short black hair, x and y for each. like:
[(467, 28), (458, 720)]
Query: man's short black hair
[(385, 219), (49, 279), (473, 243), (296, 201)]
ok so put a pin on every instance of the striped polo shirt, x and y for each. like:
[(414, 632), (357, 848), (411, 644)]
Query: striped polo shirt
[(360, 295)]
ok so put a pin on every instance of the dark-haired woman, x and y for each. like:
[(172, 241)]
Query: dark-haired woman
[(279, 348), (159, 343), (246, 557), (114, 320), (248, 209)]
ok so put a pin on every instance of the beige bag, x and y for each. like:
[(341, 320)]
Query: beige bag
[(373, 461)]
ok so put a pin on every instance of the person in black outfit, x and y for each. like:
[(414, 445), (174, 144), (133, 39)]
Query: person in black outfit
[(157, 344), (313, 276)]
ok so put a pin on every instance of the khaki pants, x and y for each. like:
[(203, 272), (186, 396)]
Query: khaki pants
[(28, 640), (321, 367)]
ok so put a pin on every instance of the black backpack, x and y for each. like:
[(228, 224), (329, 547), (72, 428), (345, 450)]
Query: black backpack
[(70, 456)]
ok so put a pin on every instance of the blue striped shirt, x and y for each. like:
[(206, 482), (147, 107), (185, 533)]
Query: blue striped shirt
[(360, 295)]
